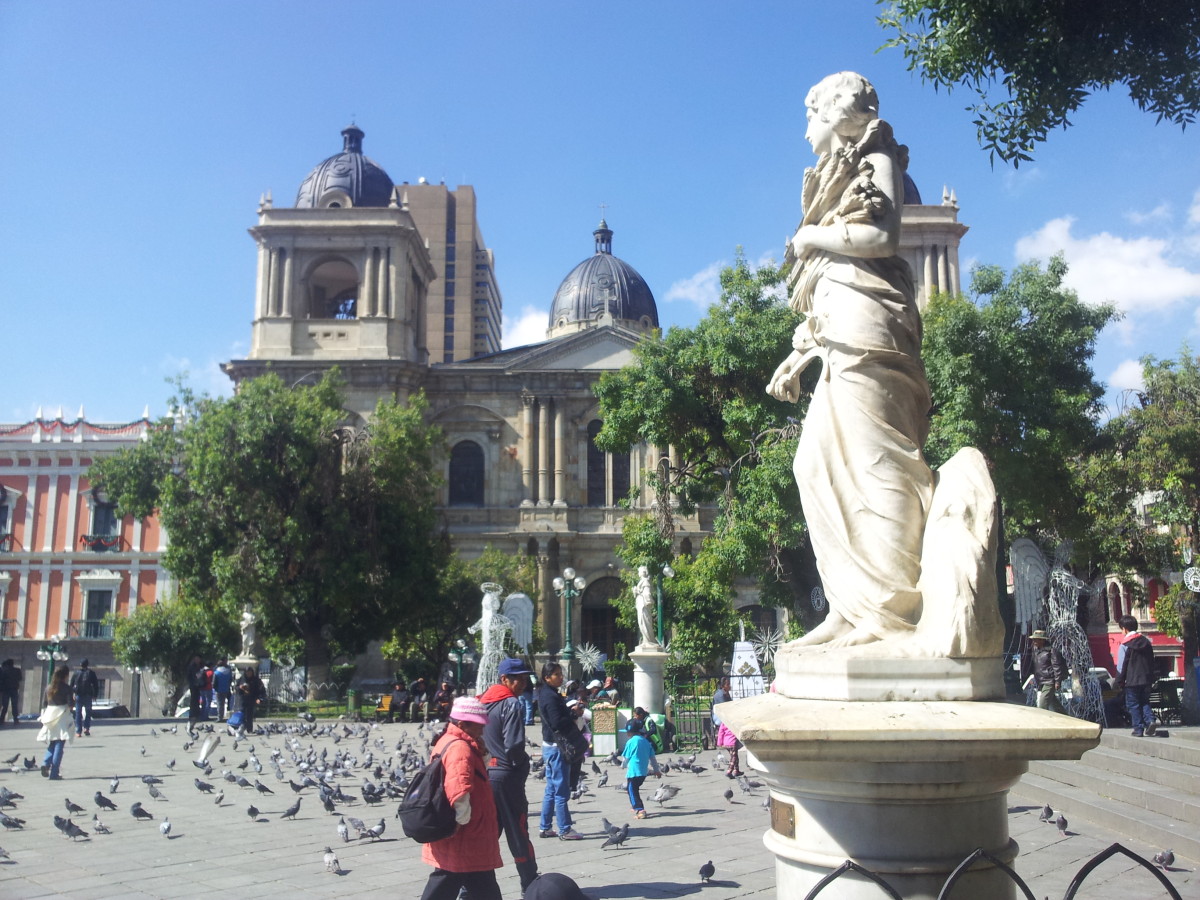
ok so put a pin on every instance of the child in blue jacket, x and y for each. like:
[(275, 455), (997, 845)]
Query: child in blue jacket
[(641, 761)]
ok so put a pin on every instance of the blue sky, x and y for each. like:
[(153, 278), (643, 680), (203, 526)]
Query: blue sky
[(140, 135)]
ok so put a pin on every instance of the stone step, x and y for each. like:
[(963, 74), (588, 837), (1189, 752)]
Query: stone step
[(1126, 788), (1183, 779), (1149, 828), (1175, 744)]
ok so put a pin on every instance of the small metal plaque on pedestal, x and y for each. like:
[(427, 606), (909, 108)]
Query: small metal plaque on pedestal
[(783, 818)]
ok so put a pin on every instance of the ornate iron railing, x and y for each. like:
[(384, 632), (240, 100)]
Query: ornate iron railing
[(89, 629), (7, 541), (8, 628), (851, 869), (101, 543)]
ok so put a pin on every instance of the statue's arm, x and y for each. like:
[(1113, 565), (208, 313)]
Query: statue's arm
[(873, 239)]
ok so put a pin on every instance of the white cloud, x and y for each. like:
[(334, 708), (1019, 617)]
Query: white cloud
[(528, 327), (206, 378), (1133, 273), (1126, 376), (1160, 213), (1194, 209), (702, 289)]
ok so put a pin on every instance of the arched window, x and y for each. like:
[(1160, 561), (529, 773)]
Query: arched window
[(466, 474), (333, 291), (1114, 602), (1154, 592), (599, 625)]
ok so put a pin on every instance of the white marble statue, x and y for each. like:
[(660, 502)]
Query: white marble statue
[(247, 626), (643, 598), (865, 487), (493, 625)]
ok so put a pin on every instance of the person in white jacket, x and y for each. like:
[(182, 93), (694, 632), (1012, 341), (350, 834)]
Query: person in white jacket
[(57, 726)]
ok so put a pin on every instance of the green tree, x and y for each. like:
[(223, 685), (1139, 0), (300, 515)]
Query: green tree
[(1010, 374), (1151, 450), (1033, 63), (269, 499), (420, 644), (165, 636)]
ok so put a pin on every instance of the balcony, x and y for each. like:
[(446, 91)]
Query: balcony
[(89, 629), (102, 543), (7, 542), (8, 629)]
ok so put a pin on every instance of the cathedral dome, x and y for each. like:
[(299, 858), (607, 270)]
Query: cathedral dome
[(347, 179), (602, 290)]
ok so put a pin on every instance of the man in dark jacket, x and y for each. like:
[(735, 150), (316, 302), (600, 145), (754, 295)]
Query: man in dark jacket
[(1135, 673), (85, 686), (1049, 671), (10, 690), (504, 737)]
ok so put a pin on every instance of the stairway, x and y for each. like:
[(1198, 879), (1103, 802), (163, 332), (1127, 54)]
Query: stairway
[(1147, 789)]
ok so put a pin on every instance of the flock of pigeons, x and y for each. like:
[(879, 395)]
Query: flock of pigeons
[(342, 767)]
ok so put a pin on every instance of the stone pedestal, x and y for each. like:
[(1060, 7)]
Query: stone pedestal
[(648, 665), (905, 789)]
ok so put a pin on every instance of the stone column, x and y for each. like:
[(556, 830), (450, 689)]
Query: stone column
[(528, 450), (260, 294), (286, 300), (366, 299), (649, 662), (560, 454), (543, 452)]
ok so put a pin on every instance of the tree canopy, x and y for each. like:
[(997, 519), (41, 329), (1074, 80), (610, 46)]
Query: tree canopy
[(1010, 373), (271, 499), (1151, 451), (1032, 63)]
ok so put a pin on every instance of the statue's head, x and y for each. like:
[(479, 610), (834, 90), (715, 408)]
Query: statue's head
[(643, 572), (843, 104)]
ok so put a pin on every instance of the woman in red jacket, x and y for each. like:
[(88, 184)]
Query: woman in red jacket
[(469, 857)]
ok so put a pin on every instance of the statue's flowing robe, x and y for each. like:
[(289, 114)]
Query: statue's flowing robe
[(864, 484)]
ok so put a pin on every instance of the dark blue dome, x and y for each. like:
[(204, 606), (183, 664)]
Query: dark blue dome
[(603, 285), (348, 176)]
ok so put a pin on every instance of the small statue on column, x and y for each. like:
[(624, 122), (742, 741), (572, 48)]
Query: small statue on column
[(643, 598)]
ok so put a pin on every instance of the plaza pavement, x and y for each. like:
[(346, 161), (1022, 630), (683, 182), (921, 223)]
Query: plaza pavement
[(219, 851)]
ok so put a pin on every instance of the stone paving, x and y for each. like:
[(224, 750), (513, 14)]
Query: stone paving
[(220, 851)]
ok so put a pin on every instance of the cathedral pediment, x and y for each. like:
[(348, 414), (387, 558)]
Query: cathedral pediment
[(604, 348)]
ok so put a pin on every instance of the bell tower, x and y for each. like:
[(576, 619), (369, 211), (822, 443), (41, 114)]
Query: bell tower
[(342, 280)]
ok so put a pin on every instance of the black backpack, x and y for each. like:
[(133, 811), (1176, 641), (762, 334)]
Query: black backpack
[(425, 812)]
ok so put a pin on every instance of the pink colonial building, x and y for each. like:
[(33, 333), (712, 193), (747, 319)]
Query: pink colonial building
[(66, 560)]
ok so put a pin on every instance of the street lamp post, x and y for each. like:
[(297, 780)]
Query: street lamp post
[(569, 586), (53, 651), (462, 654), (667, 572)]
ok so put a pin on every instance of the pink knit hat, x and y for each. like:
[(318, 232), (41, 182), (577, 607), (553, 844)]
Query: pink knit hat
[(468, 709)]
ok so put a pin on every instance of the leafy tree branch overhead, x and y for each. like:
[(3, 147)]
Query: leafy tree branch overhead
[(1033, 63)]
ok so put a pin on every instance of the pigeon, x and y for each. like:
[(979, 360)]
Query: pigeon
[(98, 826), (150, 779), (165, 828), (252, 812), (219, 798), (143, 751), (665, 792), (602, 780), (12, 760), (1047, 814), (138, 813), (29, 763), (595, 768), (171, 764), (202, 786), (103, 802), (262, 788), (12, 823), (155, 793), (1061, 822), (617, 837), (3, 852), (290, 812), (331, 862), (375, 832), (73, 808), (71, 830), (728, 795), (707, 871), (343, 831), (608, 826), (112, 785), (1164, 858)]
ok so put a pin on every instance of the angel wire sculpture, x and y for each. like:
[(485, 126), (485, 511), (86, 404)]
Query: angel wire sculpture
[(517, 620), (1047, 597)]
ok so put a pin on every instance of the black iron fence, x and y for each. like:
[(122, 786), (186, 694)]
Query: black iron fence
[(852, 870), (691, 707)]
